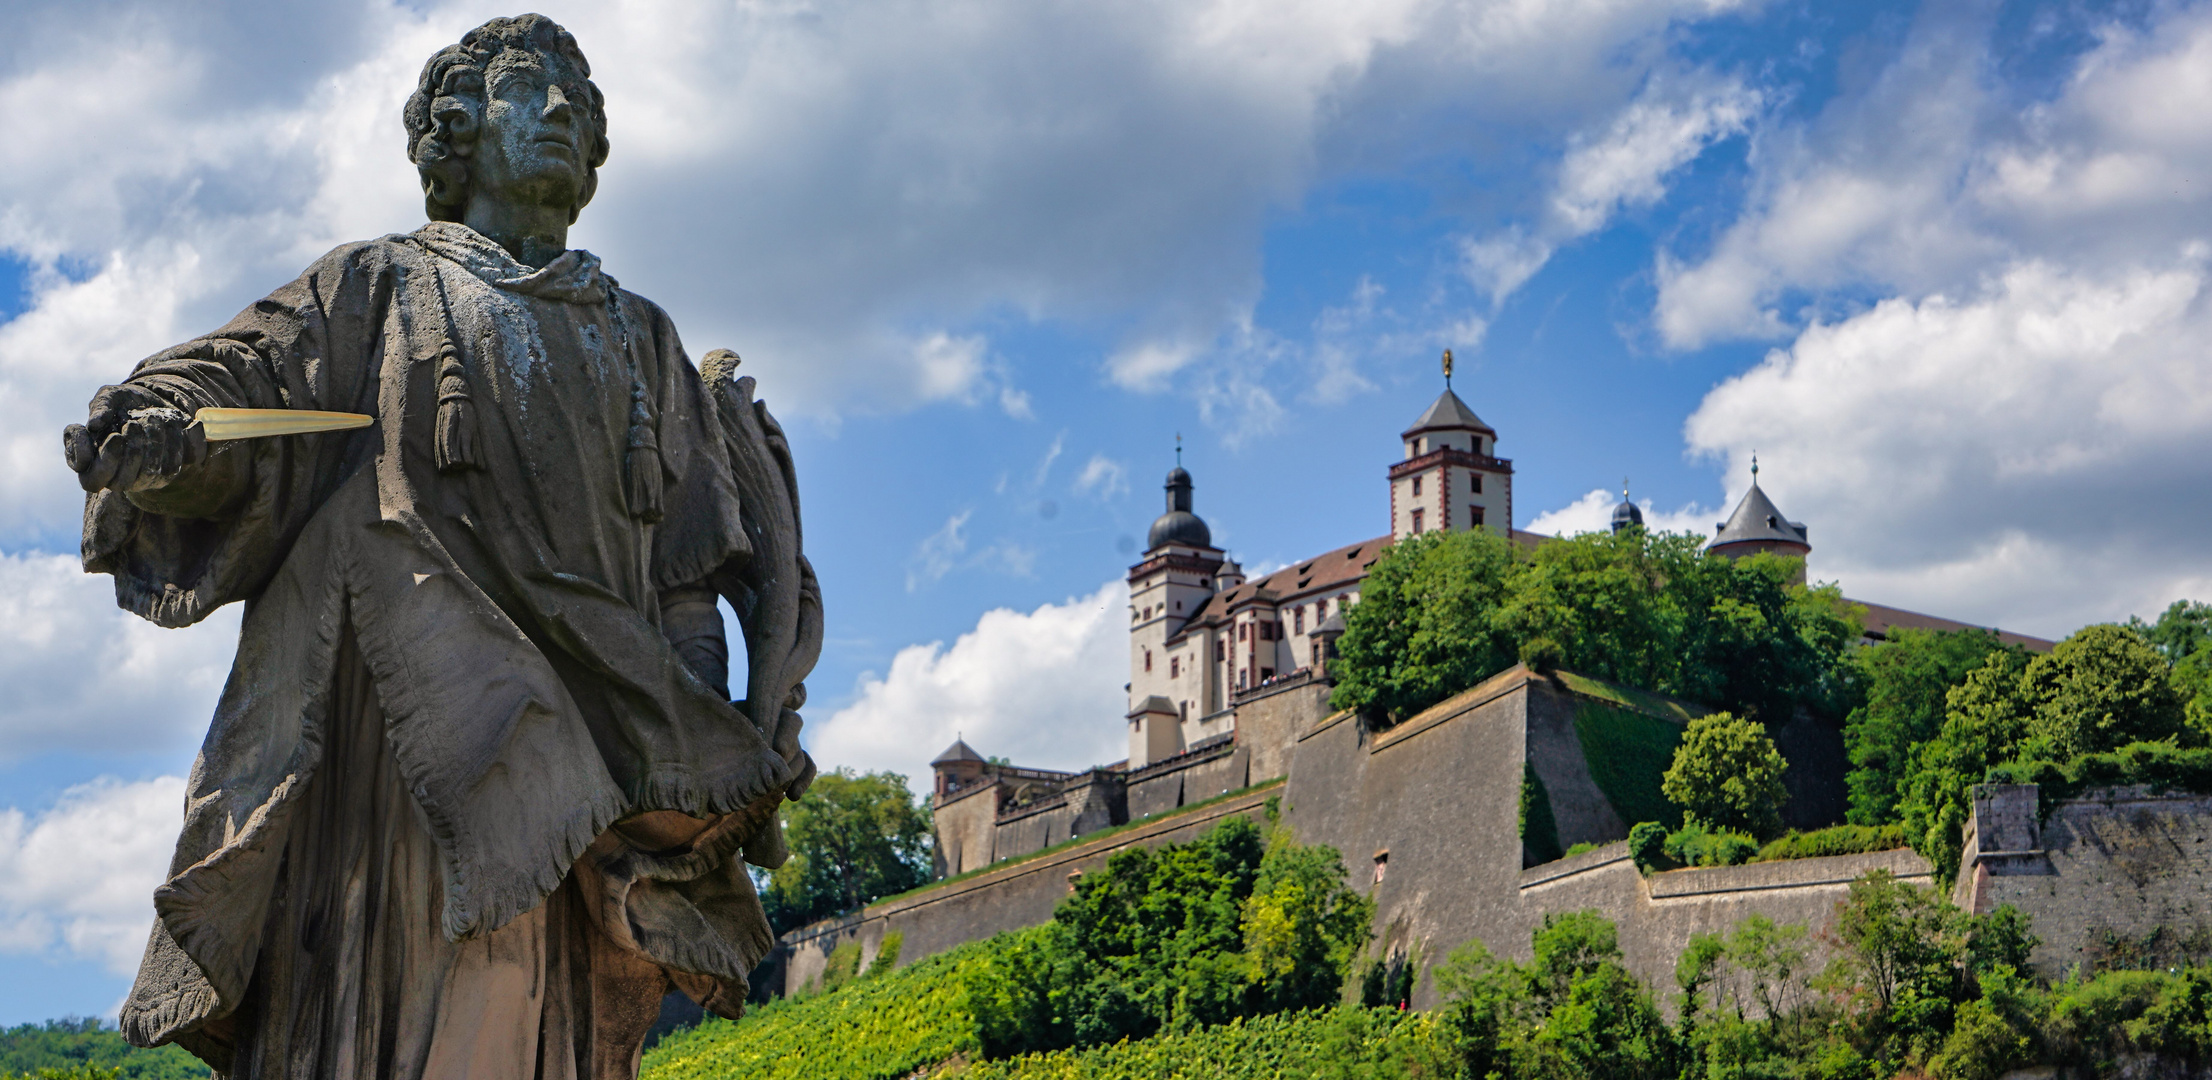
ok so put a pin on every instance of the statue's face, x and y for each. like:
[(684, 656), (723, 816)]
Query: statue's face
[(535, 137)]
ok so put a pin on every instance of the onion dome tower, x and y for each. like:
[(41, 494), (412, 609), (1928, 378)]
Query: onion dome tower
[(1758, 525), (1179, 525), (1627, 513)]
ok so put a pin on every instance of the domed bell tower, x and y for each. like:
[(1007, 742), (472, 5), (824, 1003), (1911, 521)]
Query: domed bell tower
[(1168, 672)]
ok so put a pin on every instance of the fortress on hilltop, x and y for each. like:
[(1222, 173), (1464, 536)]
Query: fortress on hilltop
[(1226, 672), (1457, 821)]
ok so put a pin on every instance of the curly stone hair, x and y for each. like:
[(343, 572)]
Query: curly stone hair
[(446, 112)]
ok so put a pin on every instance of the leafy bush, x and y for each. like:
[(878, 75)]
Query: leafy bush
[(1647, 846), (1727, 775), (843, 966), (1574, 1011), (887, 954), (1232, 924), (1834, 840), (1696, 845)]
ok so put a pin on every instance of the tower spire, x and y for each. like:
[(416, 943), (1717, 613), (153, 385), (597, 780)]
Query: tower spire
[(1447, 369), (1754, 466)]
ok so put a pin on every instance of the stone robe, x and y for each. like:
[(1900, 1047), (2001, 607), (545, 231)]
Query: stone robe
[(464, 809)]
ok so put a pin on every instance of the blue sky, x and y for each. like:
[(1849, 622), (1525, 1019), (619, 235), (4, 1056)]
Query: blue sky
[(1942, 266)]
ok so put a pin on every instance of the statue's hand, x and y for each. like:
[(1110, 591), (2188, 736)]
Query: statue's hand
[(131, 441)]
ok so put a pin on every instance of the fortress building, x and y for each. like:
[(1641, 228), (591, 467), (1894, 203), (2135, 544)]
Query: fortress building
[(1225, 673), (1457, 821)]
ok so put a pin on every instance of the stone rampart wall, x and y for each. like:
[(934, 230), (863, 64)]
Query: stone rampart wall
[(1011, 897), (2120, 877)]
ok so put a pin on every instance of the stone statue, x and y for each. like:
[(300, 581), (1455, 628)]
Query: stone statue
[(476, 796)]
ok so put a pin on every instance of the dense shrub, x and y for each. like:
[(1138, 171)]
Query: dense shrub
[(1834, 840), (1727, 777), (1902, 683), (1236, 923)]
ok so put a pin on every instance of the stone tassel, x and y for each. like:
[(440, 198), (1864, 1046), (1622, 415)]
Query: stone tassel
[(641, 463), (456, 414)]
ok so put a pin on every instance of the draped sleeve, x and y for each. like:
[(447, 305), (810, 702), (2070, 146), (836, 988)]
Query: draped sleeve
[(179, 553)]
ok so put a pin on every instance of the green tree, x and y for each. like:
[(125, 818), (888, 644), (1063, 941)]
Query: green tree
[(1904, 683), (1233, 924), (1985, 717), (1425, 626), (2100, 689), (2182, 630), (1440, 612), (854, 839), (1728, 775)]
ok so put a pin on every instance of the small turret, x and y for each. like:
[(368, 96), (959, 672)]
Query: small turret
[(1758, 525), (1627, 513)]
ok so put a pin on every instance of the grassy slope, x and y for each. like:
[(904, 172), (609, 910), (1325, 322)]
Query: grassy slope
[(885, 1025), (915, 1019)]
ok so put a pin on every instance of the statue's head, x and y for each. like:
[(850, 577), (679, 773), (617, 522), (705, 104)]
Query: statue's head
[(510, 111)]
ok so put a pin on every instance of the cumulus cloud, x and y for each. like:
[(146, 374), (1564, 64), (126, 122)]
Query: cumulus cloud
[(1594, 513), (1042, 688), (1938, 176), (841, 192), (2026, 455), (81, 674), (78, 879)]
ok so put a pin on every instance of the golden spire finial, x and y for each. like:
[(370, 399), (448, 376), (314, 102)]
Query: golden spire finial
[(1447, 369)]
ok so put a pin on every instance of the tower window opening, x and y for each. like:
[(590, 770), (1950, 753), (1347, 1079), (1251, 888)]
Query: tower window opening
[(1221, 650), (1474, 517), (1174, 667), (1298, 620), (1416, 487), (1417, 521), (1148, 659), (1477, 478)]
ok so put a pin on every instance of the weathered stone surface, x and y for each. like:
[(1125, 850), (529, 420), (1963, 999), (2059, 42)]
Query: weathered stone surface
[(476, 796)]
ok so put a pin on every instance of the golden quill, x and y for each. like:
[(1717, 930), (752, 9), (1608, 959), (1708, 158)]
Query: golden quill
[(221, 424)]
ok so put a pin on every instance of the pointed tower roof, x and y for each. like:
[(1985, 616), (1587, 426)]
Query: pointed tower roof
[(1448, 413), (958, 752), (1758, 521)]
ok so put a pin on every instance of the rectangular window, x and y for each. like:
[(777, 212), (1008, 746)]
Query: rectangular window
[(1266, 673), (1240, 678), (1416, 521), (1174, 667), (1148, 659), (1244, 631), (1474, 515), (1221, 649), (1416, 487), (1477, 477), (1298, 619)]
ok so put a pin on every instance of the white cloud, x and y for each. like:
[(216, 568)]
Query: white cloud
[(939, 552), (1594, 513), (838, 190), (2027, 455), (1104, 478), (1041, 688), (84, 675), (78, 879), (1937, 176), (1670, 123)]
